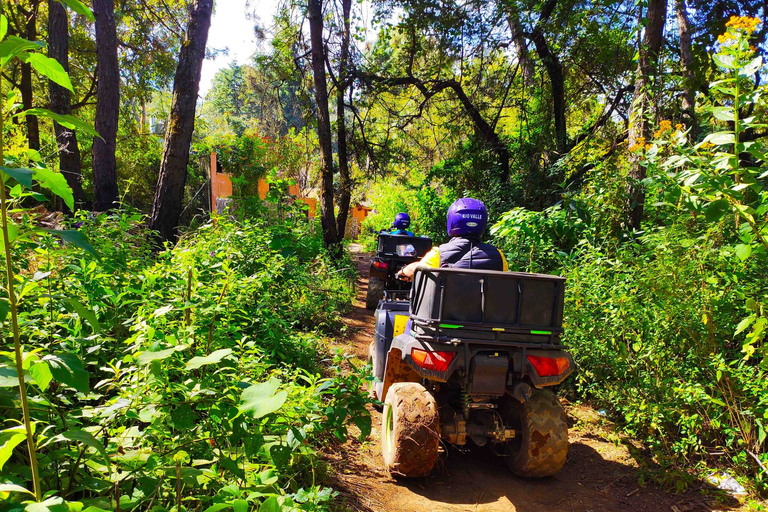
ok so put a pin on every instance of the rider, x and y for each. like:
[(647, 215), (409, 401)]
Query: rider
[(402, 221), (467, 219)]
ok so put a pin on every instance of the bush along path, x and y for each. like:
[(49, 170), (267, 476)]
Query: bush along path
[(604, 471), (184, 380)]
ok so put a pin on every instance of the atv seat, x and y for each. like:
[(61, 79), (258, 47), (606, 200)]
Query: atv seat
[(487, 304)]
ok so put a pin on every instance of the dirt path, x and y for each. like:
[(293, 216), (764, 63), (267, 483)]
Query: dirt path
[(601, 473)]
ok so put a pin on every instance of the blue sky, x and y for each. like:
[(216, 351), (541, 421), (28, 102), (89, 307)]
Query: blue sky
[(231, 29)]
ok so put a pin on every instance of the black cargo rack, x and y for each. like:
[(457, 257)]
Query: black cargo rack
[(445, 301), (388, 243)]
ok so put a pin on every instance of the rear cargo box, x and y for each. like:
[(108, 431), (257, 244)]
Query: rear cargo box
[(388, 244)]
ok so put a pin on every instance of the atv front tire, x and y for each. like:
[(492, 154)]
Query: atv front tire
[(541, 445), (375, 293), (409, 431)]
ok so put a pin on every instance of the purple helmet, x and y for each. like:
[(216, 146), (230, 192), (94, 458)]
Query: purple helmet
[(467, 216), (402, 221)]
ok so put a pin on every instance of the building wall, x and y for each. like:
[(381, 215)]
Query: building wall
[(221, 186)]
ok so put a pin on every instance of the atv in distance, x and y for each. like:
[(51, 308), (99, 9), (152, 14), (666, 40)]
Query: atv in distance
[(393, 253), (468, 358)]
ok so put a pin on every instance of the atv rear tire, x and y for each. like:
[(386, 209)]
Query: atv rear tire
[(541, 445), (375, 293), (409, 430)]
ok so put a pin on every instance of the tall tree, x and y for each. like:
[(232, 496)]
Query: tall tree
[(686, 59), (107, 106), (169, 195), (345, 192), (28, 29), (519, 43), (66, 139), (327, 217), (639, 127)]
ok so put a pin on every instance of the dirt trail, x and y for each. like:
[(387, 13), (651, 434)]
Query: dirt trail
[(599, 475)]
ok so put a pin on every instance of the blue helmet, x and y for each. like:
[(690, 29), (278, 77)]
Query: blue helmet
[(467, 217), (402, 221)]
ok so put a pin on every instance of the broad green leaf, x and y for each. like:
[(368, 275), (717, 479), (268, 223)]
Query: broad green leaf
[(743, 251), (218, 506), (271, 505), (87, 439), (5, 308), (79, 8), (53, 504), (41, 372), (10, 438), (14, 488), (49, 68), (744, 324), (240, 505), (15, 46), (751, 68), (720, 138), (85, 314), (723, 113), (68, 369), (162, 311), (66, 121), (8, 377), (725, 61), (3, 26), (23, 176), (716, 210), (148, 356), (213, 358), (56, 183), (261, 399), (13, 234), (75, 238)]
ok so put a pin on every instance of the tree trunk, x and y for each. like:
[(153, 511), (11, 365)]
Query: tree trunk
[(639, 128), (555, 72), (107, 106), (66, 139), (330, 233), (169, 195), (25, 85), (686, 59), (521, 49), (345, 192)]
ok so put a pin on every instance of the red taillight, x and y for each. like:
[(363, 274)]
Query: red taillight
[(549, 366), (438, 361), (381, 265)]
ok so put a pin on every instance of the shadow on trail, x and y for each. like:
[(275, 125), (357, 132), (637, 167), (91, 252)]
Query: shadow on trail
[(476, 478)]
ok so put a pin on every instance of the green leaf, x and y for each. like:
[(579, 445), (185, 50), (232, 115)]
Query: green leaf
[(68, 369), (148, 356), (49, 68), (720, 138), (240, 505), (56, 183), (716, 210), (79, 8), (53, 504), (15, 46), (87, 439), (23, 176), (725, 61), (10, 438), (5, 308), (3, 26), (751, 68), (743, 251), (215, 357), (261, 399), (217, 506), (13, 234), (8, 377), (41, 372), (14, 488), (66, 121), (271, 505), (84, 313), (75, 238), (723, 113), (744, 324)]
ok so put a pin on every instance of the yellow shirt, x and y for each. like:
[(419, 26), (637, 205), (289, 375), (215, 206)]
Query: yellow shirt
[(432, 259)]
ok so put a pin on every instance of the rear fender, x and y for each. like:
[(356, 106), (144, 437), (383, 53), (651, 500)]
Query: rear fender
[(404, 343), (524, 366)]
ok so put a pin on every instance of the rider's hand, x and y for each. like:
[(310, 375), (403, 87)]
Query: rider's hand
[(402, 276)]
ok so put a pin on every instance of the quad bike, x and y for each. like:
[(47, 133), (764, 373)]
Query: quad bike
[(393, 253), (467, 358)]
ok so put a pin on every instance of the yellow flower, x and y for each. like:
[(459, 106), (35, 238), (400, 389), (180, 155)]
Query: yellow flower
[(648, 147), (742, 23), (707, 145), (665, 125), (679, 126)]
